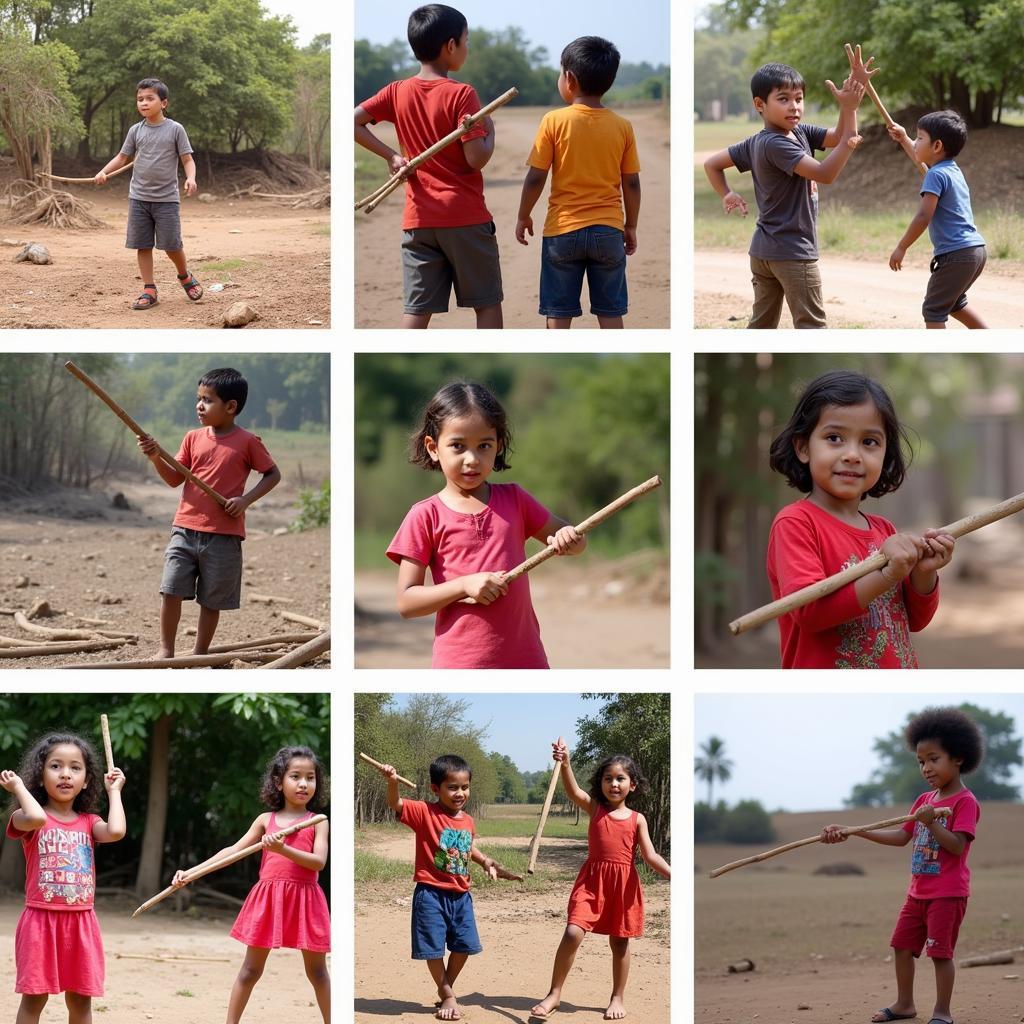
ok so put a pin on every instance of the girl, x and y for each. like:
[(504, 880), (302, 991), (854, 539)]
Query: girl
[(607, 898), (56, 792), (948, 744), (842, 443), (286, 908), (469, 534)]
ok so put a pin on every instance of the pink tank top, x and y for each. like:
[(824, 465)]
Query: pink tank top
[(274, 867)]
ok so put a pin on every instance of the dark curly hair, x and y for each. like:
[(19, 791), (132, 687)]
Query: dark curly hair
[(631, 768), (460, 398), (273, 797), (34, 761), (841, 387), (954, 730)]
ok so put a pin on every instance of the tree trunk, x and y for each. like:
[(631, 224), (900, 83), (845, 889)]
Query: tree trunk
[(12, 866), (151, 860)]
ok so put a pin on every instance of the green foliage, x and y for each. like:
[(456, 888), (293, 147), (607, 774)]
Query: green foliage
[(747, 822), (376, 870), (723, 62), (314, 509), (311, 115), (376, 66), (511, 789)]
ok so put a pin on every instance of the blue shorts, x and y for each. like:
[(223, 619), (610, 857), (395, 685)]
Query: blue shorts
[(599, 252), (442, 917)]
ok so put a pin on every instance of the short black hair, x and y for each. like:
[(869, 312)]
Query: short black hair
[(460, 398), (629, 766), (441, 766), (841, 387), (228, 384), (947, 127), (775, 76), (954, 730), (593, 61), (431, 26), (155, 84), (277, 767)]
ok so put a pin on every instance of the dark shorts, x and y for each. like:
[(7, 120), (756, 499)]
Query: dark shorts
[(931, 925), (597, 251), (435, 259), (442, 917), (154, 226), (952, 274), (205, 567)]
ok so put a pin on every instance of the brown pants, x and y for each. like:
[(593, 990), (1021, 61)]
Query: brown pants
[(798, 281)]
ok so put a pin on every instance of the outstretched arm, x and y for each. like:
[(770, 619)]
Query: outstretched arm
[(256, 832), (581, 798), (654, 859), (493, 869), (116, 164), (169, 475)]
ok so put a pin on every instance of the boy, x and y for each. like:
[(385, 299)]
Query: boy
[(945, 210), (596, 170), (448, 235), (204, 558), (157, 143), (442, 908), (780, 158)]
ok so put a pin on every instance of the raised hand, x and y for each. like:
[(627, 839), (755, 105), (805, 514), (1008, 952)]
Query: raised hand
[(859, 70), (9, 780)]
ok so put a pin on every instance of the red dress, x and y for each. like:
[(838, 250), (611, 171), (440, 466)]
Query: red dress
[(607, 898), (286, 908)]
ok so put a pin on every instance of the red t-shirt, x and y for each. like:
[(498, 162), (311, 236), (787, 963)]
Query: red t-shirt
[(808, 544), (443, 844), (935, 872), (224, 463), (445, 192), (60, 869)]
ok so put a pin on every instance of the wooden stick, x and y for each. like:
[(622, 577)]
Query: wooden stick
[(107, 749), (191, 876), (304, 654), (831, 584), (71, 647), (271, 599), (139, 432), (281, 638), (549, 796), (853, 830), (374, 198), (85, 181), (376, 764), (162, 957), (302, 620), (184, 661)]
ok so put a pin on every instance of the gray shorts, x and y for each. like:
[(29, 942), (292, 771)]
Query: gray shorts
[(154, 222), (434, 259), (206, 567), (952, 274)]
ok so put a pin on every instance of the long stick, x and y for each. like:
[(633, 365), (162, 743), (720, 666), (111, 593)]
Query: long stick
[(191, 876), (85, 181), (535, 845), (374, 198), (376, 764), (139, 432), (853, 830), (831, 584), (302, 655), (107, 749)]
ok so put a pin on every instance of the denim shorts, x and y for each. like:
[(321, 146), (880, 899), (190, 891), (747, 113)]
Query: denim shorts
[(599, 252), (442, 917), (206, 567), (154, 225)]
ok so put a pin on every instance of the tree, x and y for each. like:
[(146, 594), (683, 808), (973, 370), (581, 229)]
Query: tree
[(313, 99), (713, 765), (275, 409)]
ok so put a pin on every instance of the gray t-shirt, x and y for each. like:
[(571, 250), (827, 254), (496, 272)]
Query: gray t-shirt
[(787, 204), (156, 148)]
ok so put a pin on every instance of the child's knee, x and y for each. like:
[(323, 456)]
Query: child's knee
[(317, 972), (619, 945), (249, 973), (574, 933)]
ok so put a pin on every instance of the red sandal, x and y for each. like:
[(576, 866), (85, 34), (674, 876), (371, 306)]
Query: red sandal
[(190, 284), (146, 300)]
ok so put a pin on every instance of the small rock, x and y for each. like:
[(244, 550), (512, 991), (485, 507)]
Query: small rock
[(101, 572), (27, 557), (119, 501), (34, 253), (190, 631), (803, 1006), (89, 557), (20, 582), (239, 314), (280, 531), (11, 241), (1010, 977), (216, 288), (234, 231), (40, 610), (315, 323), (1005, 917), (104, 598), (206, 197)]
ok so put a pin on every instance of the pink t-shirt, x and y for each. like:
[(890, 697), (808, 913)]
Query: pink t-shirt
[(504, 634), (60, 869), (935, 872), (443, 843)]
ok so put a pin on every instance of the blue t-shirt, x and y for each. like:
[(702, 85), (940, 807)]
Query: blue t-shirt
[(952, 226)]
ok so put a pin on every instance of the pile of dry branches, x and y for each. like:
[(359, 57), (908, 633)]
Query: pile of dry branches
[(31, 203), (314, 199)]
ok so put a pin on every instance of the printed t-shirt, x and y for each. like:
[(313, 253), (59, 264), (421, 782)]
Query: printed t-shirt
[(443, 844), (224, 463), (952, 225), (504, 634), (60, 870), (156, 148), (787, 203), (445, 192), (588, 149), (935, 872), (808, 544)]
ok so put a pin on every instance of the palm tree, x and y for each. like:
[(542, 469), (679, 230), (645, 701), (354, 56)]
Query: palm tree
[(713, 765)]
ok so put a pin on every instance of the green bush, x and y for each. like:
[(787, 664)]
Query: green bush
[(314, 509), (747, 822)]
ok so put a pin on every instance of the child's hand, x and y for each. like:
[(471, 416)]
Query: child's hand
[(524, 227), (497, 871), (179, 879), (896, 258), (190, 187), (114, 780), (833, 834), (273, 841), (860, 71), (389, 771), (485, 587), (630, 240), (925, 814), (100, 178), (854, 141), (236, 506), (560, 752), (903, 551), (9, 780), (734, 201), (849, 96), (938, 551), (567, 541), (487, 123), (397, 165), (897, 133), (147, 446)]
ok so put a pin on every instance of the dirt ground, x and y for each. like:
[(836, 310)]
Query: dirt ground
[(378, 267), (169, 992), (820, 943)]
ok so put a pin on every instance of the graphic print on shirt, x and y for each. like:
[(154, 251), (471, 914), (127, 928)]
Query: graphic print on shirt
[(452, 854), (925, 858), (65, 866)]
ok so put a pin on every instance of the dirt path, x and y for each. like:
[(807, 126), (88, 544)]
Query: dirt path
[(378, 285)]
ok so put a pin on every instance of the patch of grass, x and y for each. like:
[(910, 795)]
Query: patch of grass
[(230, 264), (324, 230), (303, 456), (371, 868), (554, 828), (185, 992), (370, 173), (715, 135)]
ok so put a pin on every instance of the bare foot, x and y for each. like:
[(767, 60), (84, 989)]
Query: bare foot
[(547, 1005), (449, 1009), (162, 654), (894, 1012), (616, 1010)]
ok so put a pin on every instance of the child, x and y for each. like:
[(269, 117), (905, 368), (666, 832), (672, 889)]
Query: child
[(596, 169), (204, 558), (842, 443), (442, 907), (945, 210), (469, 534), (448, 235), (948, 743), (57, 945), (286, 909), (157, 143), (784, 249), (607, 898)]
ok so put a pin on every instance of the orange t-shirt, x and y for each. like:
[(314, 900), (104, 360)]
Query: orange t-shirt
[(445, 192), (224, 463), (588, 149)]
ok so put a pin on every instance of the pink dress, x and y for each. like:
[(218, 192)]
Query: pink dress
[(286, 908), (57, 944)]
